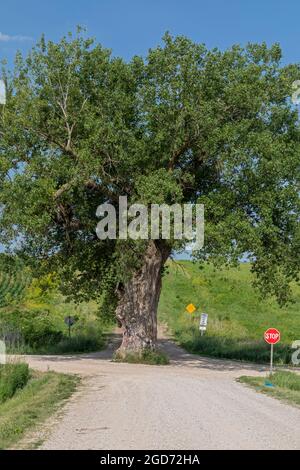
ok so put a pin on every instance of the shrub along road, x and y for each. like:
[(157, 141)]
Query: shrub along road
[(193, 403)]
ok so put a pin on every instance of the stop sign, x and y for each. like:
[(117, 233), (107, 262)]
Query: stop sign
[(272, 336)]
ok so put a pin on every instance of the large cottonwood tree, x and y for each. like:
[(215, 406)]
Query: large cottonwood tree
[(185, 124)]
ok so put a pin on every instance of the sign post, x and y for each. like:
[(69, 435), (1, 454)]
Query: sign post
[(271, 360), (272, 336), (69, 321), (203, 323)]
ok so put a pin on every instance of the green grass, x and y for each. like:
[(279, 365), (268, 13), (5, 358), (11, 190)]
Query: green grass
[(238, 316), (13, 376), (158, 358), (32, 313), (36, 330), (78, 344), (286, 386), (31, 405)]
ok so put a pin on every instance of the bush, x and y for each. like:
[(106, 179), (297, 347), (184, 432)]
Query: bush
[(40, 331), (36, 327), (80, 343), (12, 378)]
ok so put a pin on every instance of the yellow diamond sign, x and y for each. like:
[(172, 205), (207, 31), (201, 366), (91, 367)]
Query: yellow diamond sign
[(190, 308)]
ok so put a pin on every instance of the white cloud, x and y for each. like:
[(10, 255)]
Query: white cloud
[(7, 38)]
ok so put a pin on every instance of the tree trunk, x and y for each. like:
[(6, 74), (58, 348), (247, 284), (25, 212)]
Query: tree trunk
[(138, 301)]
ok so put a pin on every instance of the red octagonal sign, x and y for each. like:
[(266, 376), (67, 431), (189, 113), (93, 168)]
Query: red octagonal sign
[(272, 336)]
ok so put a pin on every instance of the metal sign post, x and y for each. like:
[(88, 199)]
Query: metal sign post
[(271, 360), (69, 321)]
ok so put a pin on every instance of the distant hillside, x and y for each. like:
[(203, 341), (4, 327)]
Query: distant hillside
[(238, 316)]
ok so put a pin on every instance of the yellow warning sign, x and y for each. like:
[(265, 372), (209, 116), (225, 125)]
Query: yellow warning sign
[(190, 308)]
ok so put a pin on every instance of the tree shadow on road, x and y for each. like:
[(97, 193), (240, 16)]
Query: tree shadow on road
[(180, 357)]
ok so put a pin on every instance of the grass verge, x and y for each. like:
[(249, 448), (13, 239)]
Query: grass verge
[(282, 385), (77, 344), (227, 347), (32, 404), (13, 377), (158, 358)]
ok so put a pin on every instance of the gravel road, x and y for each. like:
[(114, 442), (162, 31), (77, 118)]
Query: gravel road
[(193, 403)]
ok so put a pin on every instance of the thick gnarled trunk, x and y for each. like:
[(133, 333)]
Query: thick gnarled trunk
[(138, 301)]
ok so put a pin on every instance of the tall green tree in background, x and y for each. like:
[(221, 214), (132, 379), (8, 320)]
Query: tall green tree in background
[(186, 124)]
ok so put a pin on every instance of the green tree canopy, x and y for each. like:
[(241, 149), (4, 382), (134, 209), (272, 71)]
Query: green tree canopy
[(185, 124)]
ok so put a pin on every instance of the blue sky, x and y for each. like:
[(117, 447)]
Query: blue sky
[(131, 27)]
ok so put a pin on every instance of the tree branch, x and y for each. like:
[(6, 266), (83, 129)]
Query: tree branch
[(175, 156)]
